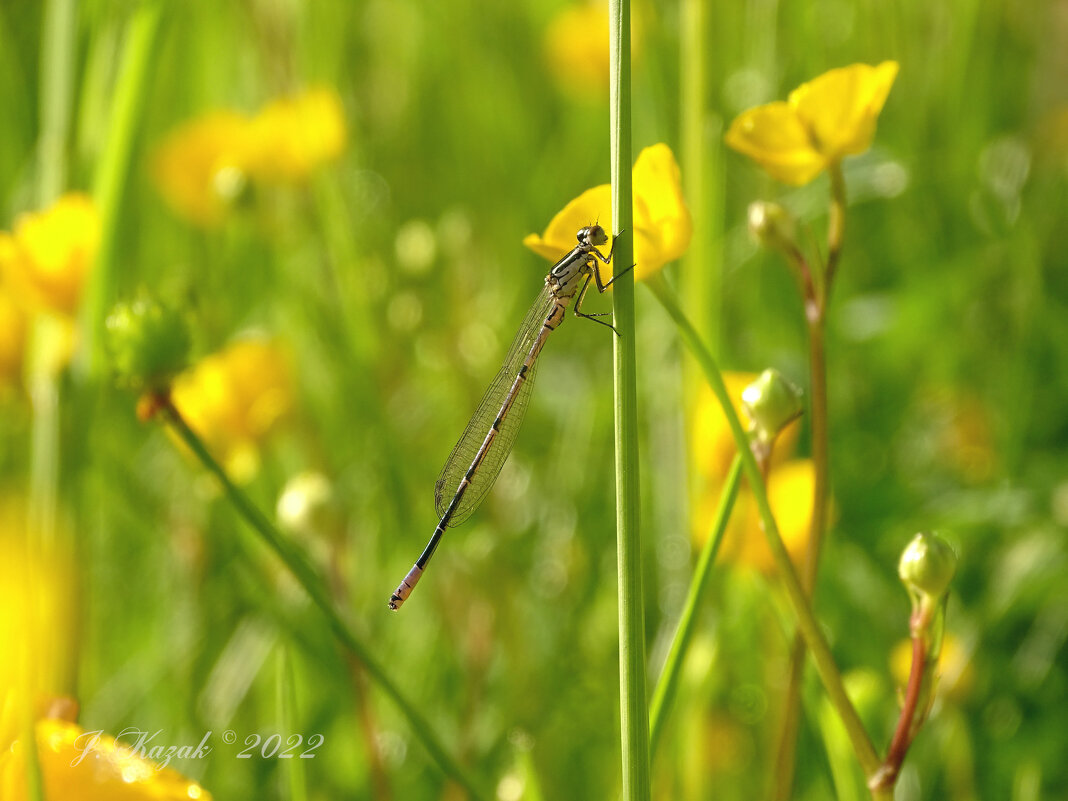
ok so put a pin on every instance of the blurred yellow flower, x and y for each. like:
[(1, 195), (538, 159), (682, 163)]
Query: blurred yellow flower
[(46, 259), (36, 616), (234, 398), (77, 765), (712, 443), (203, 166), (12, 339), (294, 136), (789, 483), (956, 677), (823, 121), (662, 224), (575, 46), (789, 486)]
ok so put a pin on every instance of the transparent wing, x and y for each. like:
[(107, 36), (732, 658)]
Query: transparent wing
[(463, 454)]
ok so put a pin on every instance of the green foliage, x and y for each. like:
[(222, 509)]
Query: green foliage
[(396, 276)]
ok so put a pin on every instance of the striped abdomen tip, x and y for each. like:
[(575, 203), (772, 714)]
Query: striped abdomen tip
[(404, 589)]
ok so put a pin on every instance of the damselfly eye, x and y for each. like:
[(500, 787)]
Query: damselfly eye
[(595, 235), (583, 234)]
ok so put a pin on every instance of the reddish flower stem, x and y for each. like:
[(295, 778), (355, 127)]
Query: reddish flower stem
[(903, 734), (815, 295)]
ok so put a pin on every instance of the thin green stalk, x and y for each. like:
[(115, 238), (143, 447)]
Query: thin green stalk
[(664, 694), (817, 338), (59, 24), (701, 273), (315, 589), (57, 79), (786, 750), (634, 712), (816, 302), (139, 54), (820, 452), (296, 779), (807, 624), (56, 92)]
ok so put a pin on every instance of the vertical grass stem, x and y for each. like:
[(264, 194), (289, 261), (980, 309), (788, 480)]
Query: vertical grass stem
[(634, 712)]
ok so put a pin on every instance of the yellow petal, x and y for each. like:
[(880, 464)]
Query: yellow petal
[(774, 137), (662, 223), (200, 167), (293, 136), (840, 107), (91, 766), (47, 260), (712, 447), (12, 340), (576, 50), (711, 440), (575, 47), (789, 487), (592, 206), (37, 604), (235, 398)]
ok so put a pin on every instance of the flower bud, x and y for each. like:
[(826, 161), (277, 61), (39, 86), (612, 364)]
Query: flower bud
[(927, 565), (771, 403), (148, 343), (772, 226)]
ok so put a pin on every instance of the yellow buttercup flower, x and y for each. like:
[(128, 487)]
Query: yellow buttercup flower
[(46, 259), (77, 765), (12, 339), (36, 614), (294, 136), (662, 224), (789, 487), (712, 442), (713, 449), (823, 121), (575, 46), (201, 167), (234, 398)]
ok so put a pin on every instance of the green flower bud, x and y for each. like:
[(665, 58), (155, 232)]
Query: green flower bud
[(773, 226), (771, 403), (927, 565), (148, 343)]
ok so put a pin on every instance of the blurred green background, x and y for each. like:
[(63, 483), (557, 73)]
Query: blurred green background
[(394, 278)]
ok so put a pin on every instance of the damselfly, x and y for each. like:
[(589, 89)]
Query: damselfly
[(476, 461)]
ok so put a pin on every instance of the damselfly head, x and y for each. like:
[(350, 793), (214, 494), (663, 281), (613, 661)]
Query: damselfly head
[(592, 235)]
